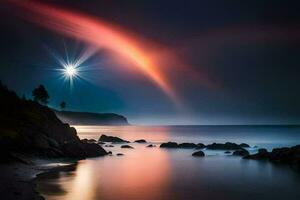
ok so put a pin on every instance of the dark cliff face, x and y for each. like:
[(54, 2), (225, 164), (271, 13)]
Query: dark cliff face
[(86, 118), (28, 127)]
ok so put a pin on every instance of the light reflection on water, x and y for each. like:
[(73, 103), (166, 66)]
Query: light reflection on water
[(154, 173)]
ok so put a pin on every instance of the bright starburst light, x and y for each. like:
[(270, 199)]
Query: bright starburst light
[(70, 70), (74, 65)]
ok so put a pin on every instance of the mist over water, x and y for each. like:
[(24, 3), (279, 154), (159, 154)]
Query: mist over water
[(263, 136), (154, 173)]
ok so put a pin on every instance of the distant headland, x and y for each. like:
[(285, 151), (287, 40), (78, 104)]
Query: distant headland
[(89, 118)]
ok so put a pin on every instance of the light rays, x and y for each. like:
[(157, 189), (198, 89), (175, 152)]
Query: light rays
[(71, 68), (101, 35)]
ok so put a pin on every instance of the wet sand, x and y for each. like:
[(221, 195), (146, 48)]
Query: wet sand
[(18, 179)]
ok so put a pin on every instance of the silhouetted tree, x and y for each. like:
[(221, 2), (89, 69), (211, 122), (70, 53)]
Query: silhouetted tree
[(23, 97), (62, 105), (40, 94)]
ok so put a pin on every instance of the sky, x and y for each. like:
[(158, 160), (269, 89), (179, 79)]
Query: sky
[(159, 62)]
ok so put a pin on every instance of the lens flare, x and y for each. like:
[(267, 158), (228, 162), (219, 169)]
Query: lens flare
[(70, 70), (100, 34)]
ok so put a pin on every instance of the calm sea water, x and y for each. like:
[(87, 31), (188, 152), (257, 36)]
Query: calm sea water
[(171, 174)]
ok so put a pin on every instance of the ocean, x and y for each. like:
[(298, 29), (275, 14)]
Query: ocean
[(173, 174)]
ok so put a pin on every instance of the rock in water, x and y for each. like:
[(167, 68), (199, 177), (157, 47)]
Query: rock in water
[(169, 145), (120, 154), (200, 146), (80, 149), (240, 152), (151, 145), (226, 146), (284, 155), (244, 145), (141, 141), (262, 151), (109, 145), (89, 140), (262, 154), (198, 154), (93, 150), (105, 138), (187, 145), (127, 147)]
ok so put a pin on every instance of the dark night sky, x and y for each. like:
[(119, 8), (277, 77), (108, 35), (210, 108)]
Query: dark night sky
[(250, 50)]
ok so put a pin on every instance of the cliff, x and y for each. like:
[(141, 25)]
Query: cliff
[(31, 128)]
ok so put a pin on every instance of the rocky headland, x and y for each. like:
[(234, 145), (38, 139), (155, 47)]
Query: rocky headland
[(29, 130)]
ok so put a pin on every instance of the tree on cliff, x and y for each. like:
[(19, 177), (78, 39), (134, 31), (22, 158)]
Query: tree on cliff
[(62, 105), (40, 94)]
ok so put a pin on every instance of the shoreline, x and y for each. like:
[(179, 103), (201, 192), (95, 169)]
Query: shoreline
[(18, 180), (19, 177)]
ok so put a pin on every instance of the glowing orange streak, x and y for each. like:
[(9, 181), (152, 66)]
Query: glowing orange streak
[(98, 33)]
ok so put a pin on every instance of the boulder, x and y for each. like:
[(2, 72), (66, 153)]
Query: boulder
[(262, 154), (200, 146), (226, 146), (89, 140), (169, 145), (105, 138), (127, 147), (262, 151), (93, 150), (73, 149), (187, 145), (284, 155), (244, 145), (198, 154), (141, 141), (240, 152), (81, 150)]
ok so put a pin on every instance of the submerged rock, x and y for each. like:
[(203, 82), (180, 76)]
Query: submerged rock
[(105, 138), (241, 152), (169, 145), (151, 145), (227, 152), (127, 147), (198, 154), (141, 141)]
